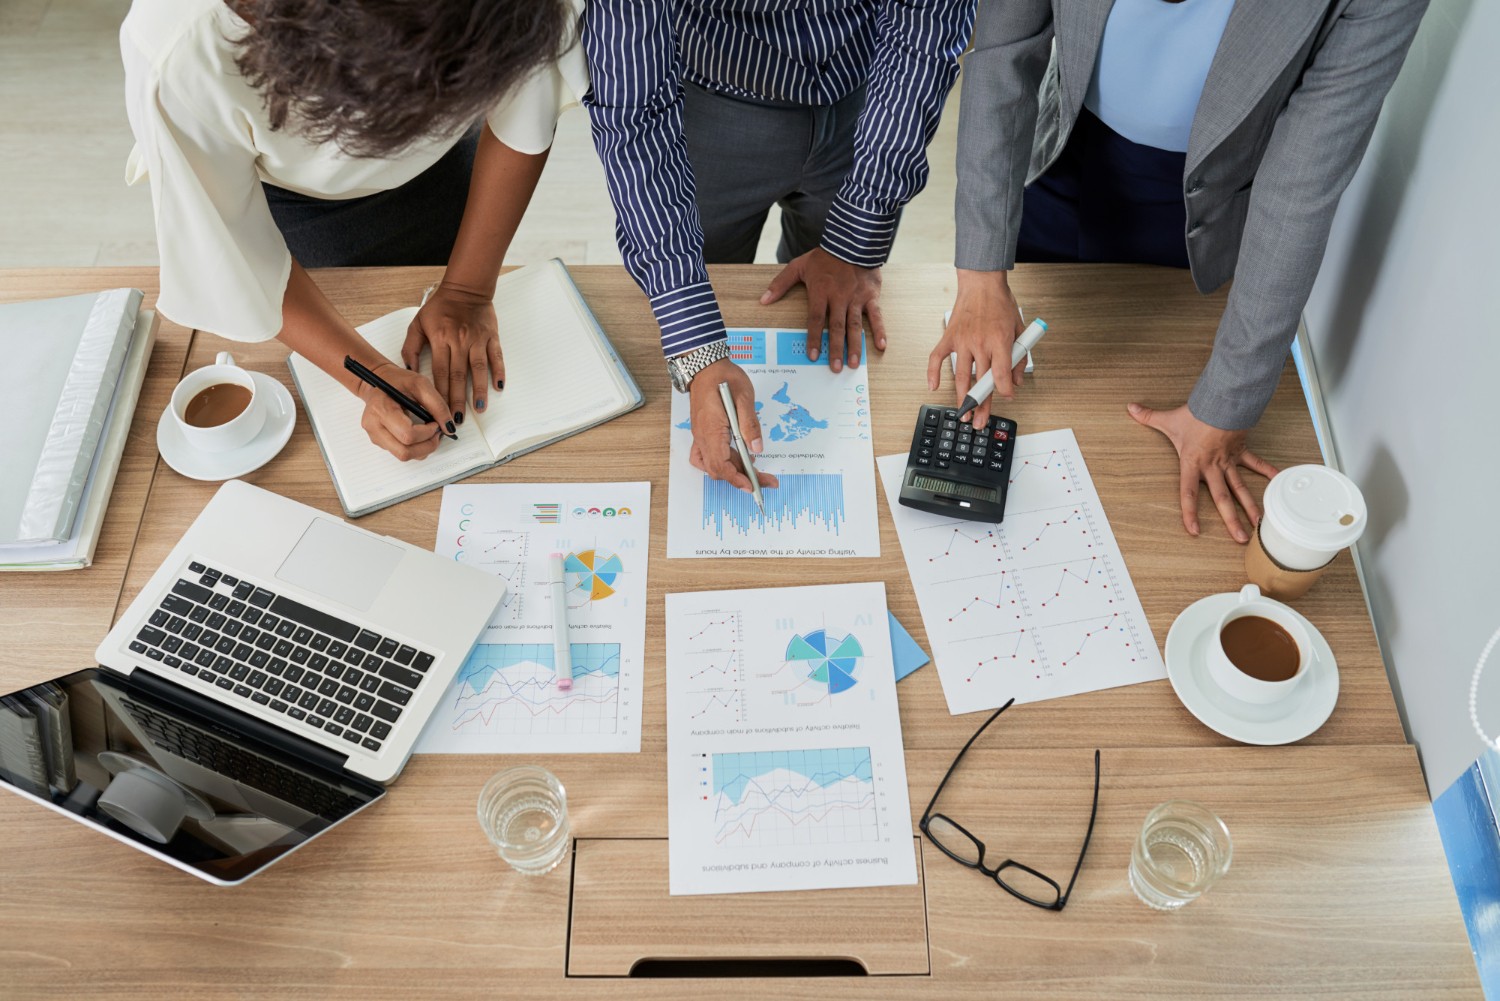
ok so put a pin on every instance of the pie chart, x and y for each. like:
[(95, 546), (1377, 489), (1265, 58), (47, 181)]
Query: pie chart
[(828, 660), (595, 572)]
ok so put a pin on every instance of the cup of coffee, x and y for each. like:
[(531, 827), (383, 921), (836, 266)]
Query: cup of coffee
[(1260, 650), (1310, 514), (216, 407)]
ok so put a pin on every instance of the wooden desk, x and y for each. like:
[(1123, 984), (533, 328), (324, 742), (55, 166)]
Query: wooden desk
[(1338, 889)]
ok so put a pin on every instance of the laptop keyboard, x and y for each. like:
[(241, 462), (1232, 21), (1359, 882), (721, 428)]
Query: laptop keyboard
[(234, 762), (315, 669)]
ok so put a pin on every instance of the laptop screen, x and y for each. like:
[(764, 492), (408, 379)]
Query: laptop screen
[(191, 789)]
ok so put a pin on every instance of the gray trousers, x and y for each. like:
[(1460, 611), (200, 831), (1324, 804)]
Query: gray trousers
[(748, 156)]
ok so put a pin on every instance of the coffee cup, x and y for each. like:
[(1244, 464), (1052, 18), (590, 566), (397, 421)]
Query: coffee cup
[(1259, 650), (1310, 514), (217, 408)]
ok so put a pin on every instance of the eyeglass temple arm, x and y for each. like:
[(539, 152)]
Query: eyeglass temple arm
[(959, 757), (1088, 835)]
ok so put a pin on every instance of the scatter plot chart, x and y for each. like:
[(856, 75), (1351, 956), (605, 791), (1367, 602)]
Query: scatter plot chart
[(1036, 607)]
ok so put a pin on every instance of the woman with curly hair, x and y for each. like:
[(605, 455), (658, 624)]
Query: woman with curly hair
[(280, 135)]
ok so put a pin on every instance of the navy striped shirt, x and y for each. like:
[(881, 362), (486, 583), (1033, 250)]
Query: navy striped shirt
[(805, 52)]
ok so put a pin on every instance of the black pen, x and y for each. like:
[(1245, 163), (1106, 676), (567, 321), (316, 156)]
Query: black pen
[(407, 403)]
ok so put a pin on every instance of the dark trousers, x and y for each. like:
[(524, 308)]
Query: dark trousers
[(748, 156), (1106, 200), (414, 224)]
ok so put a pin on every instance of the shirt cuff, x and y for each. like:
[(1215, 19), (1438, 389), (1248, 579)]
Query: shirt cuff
[(689, 318), (864, 238)]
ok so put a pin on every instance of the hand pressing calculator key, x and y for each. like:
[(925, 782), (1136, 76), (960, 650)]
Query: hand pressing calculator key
[(956, 470)]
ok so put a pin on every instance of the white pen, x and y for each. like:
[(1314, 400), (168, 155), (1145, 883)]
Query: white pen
[(981, 390), (562, 653), (739, 443)]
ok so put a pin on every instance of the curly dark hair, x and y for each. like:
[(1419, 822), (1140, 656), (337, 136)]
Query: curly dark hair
[(376, 76)]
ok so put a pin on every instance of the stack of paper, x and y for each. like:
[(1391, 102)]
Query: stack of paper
[(79, 363)]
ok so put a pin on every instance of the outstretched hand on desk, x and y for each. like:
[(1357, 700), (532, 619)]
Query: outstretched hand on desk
[(841, 297), (460, 325), (713, 451), (1213, 456)]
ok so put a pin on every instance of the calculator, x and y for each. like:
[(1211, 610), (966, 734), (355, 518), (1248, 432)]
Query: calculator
[(956, 470)]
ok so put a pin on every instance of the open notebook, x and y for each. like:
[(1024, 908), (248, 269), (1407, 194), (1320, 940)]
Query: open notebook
[(555, 353)]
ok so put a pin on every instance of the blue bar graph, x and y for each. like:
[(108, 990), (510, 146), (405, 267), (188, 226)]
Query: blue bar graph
[(801, 498)]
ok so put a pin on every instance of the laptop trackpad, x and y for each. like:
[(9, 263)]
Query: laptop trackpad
[(339, 563)]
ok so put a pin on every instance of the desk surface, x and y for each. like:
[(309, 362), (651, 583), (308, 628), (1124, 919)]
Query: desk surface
[(1338, 880)]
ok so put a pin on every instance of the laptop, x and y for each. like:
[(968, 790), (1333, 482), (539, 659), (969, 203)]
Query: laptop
[(266, 684)]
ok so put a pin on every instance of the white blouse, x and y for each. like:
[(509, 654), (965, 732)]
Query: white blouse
[(203, 139)]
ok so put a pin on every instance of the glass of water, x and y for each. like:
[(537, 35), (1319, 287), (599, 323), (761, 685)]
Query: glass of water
[(524, 813), (1182, 851)]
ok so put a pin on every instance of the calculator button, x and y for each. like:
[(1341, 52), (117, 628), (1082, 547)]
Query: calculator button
[(951, 414), (979, 448), (923, 462), (925, 453), (1002, 435), (950, 424), (948, 436), (943, 453), (961, 448), (942, 464), (996, 465), (976, 460), (931, 419), (927, 440)]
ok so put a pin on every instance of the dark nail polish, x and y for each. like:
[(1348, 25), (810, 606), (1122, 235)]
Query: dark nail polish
[(478, 404), (458, 415), (450, 428), (499, 383)]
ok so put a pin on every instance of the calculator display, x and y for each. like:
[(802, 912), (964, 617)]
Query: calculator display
[(956, 469)]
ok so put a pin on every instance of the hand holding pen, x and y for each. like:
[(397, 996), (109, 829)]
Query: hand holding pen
[(714, 450), (387, 401)]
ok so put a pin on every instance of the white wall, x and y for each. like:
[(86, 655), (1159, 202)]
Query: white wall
[(1404, 327)]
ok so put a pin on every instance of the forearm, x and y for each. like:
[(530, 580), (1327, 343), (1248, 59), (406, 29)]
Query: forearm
[(996, 126), (500, 188), (313, 328), (916, 62)]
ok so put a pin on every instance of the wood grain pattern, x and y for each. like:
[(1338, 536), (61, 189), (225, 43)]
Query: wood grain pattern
[(53, 621), (1338, 890)]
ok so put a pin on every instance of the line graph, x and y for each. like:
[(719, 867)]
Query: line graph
[(511, 688), (790, 797), (958, 534), (802, 501)]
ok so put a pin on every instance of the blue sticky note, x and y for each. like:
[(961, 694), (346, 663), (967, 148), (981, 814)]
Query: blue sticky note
[(904, 650)]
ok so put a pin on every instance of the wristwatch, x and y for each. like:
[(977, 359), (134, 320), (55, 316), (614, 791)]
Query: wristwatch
[(683, 367)]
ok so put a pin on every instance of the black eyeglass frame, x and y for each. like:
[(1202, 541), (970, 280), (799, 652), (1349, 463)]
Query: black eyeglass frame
[(995, 873)]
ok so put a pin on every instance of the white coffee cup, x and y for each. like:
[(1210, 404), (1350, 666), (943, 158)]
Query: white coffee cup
[(1311, 513), (1236, 682), (231, 434)]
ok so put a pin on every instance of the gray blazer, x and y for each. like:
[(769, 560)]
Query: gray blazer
[(1289, 105)]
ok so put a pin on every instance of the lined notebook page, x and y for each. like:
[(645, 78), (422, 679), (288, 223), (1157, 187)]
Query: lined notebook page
[(367, 475), (559, 374)]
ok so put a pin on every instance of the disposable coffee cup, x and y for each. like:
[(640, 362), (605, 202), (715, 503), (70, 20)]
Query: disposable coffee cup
[(1309, 515), (232, 433)]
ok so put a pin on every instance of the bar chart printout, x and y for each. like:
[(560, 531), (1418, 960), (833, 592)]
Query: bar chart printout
[(815, 426), (505, 698), (786, 769)]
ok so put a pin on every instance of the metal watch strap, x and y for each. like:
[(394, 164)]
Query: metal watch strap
[(683, 367)]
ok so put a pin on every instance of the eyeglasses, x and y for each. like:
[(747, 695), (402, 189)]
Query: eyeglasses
[(962, 847)]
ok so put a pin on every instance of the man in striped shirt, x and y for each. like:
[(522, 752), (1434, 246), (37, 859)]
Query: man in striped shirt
[(707, 113)]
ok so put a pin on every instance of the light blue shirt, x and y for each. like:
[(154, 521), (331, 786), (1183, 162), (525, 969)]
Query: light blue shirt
[(1151, 66)]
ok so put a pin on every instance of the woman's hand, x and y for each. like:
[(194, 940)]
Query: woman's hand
[(459, 324), (984, 325), (1210, 455), (391, 427)]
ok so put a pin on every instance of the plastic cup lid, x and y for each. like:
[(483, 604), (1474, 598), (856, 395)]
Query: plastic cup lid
[(1315, 507)]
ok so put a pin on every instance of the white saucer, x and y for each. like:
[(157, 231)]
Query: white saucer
[(281, 417), (1294, 717)]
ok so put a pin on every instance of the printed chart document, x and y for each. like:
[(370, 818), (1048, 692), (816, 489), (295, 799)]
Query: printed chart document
[(1036, 607), (816, 428), (505, 698), (785, 767)]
